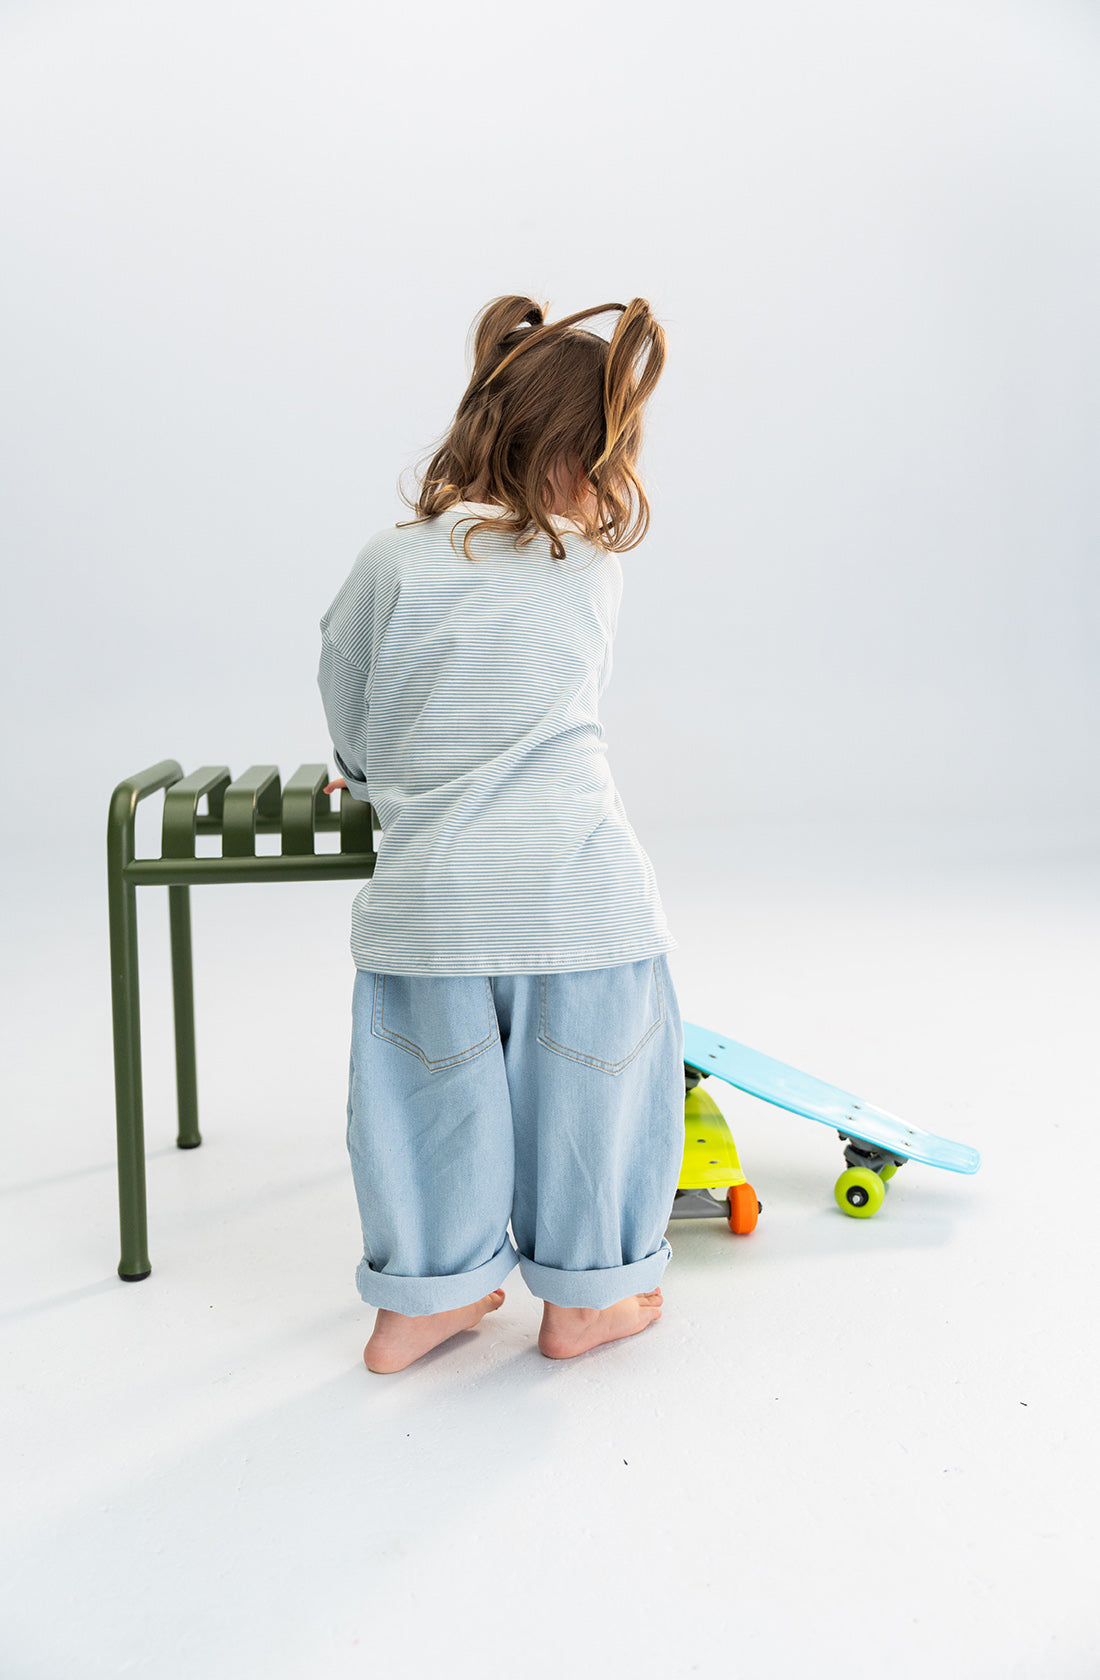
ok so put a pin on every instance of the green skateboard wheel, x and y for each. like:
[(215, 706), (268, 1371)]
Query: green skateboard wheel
[(859, 1192)]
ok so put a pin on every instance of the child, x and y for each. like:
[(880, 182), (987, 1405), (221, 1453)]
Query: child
[(517, 1045)]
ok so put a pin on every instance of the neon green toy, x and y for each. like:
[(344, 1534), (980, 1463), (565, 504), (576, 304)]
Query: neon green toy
[(710, 1163)]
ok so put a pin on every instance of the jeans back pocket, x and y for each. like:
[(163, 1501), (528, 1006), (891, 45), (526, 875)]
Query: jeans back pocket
[(443, 1019), (603, 1017)]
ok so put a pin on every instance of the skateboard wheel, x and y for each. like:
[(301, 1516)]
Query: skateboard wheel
[(859, 1192), (744, 1208), (888, 1170)]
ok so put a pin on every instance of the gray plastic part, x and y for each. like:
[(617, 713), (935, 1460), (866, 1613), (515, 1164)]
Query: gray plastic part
[(699, 1204), (860, 1154)]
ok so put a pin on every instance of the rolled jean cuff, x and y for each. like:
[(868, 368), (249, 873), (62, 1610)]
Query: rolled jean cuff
[(600, 1288), (415, 1296)]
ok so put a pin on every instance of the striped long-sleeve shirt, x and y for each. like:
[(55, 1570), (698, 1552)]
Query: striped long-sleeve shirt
[(461, 698)]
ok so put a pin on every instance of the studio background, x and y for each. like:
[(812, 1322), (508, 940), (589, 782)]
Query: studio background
[(244, 250), (852, 718)]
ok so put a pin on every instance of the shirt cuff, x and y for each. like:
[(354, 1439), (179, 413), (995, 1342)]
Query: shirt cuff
[(357, 787)]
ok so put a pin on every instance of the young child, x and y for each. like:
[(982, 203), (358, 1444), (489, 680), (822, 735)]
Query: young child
[(517, 1045)]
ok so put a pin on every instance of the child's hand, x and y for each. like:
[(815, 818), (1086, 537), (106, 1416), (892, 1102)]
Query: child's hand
[(330, 787)]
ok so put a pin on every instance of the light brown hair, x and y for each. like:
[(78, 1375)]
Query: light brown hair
[(542, 397)]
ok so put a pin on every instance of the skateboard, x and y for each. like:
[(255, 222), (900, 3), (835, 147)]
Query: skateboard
[(876, 1143), (710, 1163)]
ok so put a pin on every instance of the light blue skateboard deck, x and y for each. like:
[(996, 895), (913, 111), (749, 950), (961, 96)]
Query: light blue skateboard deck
[(801, 1093)]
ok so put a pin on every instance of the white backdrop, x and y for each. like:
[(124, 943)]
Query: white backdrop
[(244, 245)]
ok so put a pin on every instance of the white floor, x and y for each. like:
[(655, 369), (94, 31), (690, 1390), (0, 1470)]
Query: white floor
[(849, 1447)]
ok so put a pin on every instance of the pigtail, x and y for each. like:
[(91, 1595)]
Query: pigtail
[(496, 323), (625, 397)]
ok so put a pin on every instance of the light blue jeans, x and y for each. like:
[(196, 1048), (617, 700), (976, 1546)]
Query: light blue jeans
[(555, 1101)]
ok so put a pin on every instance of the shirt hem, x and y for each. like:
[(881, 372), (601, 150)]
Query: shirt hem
[(550, 962)]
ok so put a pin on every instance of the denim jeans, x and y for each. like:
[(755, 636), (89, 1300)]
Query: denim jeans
[(553, 1101)]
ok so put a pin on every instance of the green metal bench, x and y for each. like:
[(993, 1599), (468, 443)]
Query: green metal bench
[(237, 811)]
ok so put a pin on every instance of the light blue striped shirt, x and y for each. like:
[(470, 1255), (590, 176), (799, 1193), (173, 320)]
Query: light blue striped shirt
[(461, 697)]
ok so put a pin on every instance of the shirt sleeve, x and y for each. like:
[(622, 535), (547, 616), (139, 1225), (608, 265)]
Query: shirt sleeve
[(344, 696)]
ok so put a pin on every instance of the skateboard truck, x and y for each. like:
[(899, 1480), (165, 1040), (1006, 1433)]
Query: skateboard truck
[(861, 1154), (855, 1192)]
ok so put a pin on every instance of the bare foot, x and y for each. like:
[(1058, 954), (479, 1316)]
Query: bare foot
[(398, 1340), (567, 1331)]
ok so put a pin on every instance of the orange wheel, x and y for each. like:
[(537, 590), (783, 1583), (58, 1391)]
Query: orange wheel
[(744, 1208)]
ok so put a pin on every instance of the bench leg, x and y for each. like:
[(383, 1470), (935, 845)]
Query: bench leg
[(125, 1009), (183, 1003)]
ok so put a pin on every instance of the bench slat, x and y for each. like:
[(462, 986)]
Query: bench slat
[(257, 790), (303, 802), (180, 821)]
